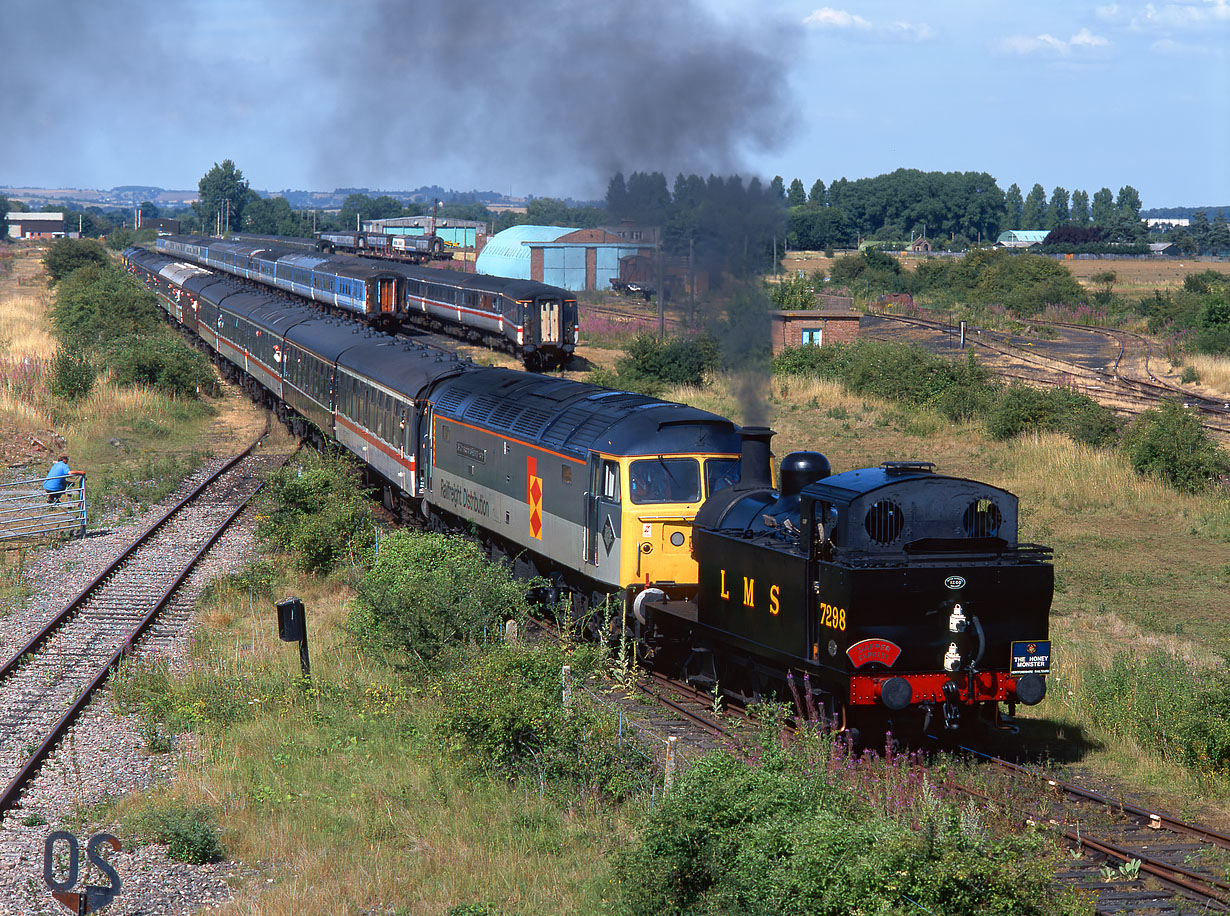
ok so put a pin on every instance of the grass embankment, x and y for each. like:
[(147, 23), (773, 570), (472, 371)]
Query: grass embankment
[(134, 442)]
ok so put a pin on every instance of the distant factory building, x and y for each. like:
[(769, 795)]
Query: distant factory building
[(576, 259), (1021, 238), (456, 233), (35, 225)]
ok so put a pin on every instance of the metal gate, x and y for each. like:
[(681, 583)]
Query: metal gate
[(27, 512)]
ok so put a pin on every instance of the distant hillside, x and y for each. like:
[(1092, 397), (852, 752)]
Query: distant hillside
[(1182, 212)]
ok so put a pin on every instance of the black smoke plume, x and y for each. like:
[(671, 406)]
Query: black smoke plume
[(554, 93)]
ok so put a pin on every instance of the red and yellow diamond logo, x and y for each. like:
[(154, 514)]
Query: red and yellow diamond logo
[(533, 496)]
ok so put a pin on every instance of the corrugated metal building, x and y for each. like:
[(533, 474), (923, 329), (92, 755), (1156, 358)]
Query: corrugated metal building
[(1021, 238), (575, 259)]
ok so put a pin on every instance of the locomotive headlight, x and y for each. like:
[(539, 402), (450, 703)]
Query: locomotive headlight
[(957, 621), (952, 658)]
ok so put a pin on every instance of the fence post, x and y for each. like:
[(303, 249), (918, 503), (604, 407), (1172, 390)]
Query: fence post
[(510, 633), (671, 744), (567, 682)]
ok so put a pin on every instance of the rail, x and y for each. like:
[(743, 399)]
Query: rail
[(29, 511)]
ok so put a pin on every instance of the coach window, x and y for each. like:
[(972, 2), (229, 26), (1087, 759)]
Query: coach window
[(610, 480)]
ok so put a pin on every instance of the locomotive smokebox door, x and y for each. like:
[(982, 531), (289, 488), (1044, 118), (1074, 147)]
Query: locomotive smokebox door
[(291, 624)]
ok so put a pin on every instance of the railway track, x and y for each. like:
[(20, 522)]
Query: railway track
[(1131, 859), (49, 680), (1114, 383)]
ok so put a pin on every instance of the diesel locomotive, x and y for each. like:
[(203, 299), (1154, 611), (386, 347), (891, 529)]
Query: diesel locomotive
[(536, 322), (890, 596)]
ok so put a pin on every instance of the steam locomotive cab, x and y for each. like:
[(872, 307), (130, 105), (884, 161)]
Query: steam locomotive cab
[(903, 595)]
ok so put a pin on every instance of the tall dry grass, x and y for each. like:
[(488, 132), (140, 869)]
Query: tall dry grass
[(25, 332), (1214, 371)]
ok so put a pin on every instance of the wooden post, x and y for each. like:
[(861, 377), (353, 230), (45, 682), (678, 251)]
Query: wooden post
[(510, 633), (567, 682), (671, 744)]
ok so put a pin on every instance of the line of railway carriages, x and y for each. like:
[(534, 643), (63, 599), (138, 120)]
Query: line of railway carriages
[(891, 597), (536, 322)]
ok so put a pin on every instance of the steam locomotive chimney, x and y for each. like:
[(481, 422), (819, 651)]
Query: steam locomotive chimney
[(756, 472)]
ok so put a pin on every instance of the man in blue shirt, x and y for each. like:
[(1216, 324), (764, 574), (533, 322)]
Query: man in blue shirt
[(57, 479)]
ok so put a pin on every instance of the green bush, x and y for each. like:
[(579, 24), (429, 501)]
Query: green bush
[(1172, 444), (164, 361), (1020, 409), (503, 713), (72, 374), (897, 371), (315, 510), (67, 255), (189, 832), (425, 592), (1163, 703), (780, 838), (650, 366)]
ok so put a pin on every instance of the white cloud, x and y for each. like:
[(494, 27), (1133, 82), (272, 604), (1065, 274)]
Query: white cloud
[(1162, 17), (1082, 41), (852, 24)]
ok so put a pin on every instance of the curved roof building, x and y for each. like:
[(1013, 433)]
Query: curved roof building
[(574, 259)]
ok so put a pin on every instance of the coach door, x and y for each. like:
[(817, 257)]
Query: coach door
[(548, 321), (387, 292), (603, 517)]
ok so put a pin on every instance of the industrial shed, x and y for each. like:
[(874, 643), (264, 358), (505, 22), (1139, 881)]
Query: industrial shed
[(35, 225), (576, 259), (1021, 238)]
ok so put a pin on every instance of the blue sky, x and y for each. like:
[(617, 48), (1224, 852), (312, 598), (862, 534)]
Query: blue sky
[(549, 97)]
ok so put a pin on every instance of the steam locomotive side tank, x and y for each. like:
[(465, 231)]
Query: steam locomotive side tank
[(898, 596)]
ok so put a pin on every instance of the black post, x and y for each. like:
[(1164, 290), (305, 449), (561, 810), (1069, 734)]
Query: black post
[(292, 627)]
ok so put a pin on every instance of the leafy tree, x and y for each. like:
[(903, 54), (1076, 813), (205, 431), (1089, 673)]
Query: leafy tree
[(818, 194), (67, 255), (1199, 228), (1103, 211), (223, 190), (1080, 208), (796, 196), (1128, 202), (149, 210), (1057, 212), (1218, 239), (815, 228), (1033, 215), (617, 196), (777, 187), (648, 198), (4, 222), (1014, 207), (796, 292)]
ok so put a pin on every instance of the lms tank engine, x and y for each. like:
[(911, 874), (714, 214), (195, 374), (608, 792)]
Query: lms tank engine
[(897, 596)]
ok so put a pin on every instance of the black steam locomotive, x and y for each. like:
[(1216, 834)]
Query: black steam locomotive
[(894, 595), (536, 322), (890, 595)]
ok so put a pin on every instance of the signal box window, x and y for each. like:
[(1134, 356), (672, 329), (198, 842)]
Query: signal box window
[(812, 336), (664, 480)]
